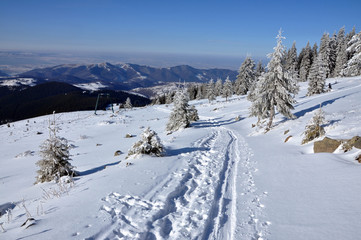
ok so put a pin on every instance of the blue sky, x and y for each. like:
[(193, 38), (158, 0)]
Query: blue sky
[(216, 28)]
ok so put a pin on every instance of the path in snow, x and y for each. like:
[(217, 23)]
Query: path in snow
[(215, 197)]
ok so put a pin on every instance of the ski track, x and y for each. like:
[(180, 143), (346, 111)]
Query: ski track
[(215, 197)]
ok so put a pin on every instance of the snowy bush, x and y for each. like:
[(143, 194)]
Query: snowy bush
[(149, 144), (314, 128), (55, 159)]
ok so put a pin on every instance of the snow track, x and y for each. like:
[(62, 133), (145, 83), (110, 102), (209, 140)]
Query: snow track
[(213, 198)]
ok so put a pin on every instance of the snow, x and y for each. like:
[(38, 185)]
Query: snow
[(18, 82), (95, 86), (219, 179)]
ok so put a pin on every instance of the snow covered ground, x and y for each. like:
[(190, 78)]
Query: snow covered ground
[(220, 179)]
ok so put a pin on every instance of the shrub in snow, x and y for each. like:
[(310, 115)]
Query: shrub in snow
[(314, 128), (55, 159), (149, 144)]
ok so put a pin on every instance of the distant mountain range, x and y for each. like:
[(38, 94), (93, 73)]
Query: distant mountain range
[(124, 76)]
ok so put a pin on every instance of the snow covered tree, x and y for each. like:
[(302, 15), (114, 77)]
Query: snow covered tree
[(333, 54), (314, 52), (218, 87), (314, 128), (341, 58), (199, 92), (273, 88), (245, 77), (227, 90), (305, 63), (128, 104), (182, 114), (317, 76), (353, 67), (326, 51), (149, 144), (211, 95), (55, 158), (291, 58), (259, 70)]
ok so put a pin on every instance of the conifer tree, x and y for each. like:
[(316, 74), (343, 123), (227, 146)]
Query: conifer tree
[(128, 103), (305, 63), (317, 76), (149, 144), (211, 95), (218, 87), (314, 52), (274, 88), (325, 51), (245, 77), (55, 157), (353, 67), (333, 54), (182, 113), (341, 58), (199, 92), (291, 58), (227, 90), (259, 70)]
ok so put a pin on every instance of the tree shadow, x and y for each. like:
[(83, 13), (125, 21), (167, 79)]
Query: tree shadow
[(324, 103), (97, 169), (178, 151)]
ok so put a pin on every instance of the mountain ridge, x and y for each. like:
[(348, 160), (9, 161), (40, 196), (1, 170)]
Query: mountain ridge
[(126, 76)]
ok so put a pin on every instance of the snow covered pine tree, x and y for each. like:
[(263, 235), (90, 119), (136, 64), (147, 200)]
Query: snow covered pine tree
[(128, 104), (55, 158), (149, 144), (182, 113), (274, 88)]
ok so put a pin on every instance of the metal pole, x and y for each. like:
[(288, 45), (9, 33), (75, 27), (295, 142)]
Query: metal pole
[(96, 105)]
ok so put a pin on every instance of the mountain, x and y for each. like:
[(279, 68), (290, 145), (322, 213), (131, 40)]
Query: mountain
[(125, 76), (45, 98), (3, 74)]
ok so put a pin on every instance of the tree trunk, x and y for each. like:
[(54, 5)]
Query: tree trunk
[(272, 114)]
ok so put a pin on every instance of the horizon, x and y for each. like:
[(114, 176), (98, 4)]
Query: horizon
[(204, 34)]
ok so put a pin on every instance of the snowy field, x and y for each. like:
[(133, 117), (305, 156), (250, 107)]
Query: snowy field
[(220, 179)]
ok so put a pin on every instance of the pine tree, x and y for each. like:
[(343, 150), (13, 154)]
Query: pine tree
[(259, 70), (317, 76), (333, 54), (326, 51), (314, 52), (353, 67), (55, 158), (274, 88), (199, 92), (227, 90), (291, 58), (245, 77), (128, 104), (305, 63), (341, 58), (149, 144), (218, 87), (314, 128), (211, 95), (182, 113)]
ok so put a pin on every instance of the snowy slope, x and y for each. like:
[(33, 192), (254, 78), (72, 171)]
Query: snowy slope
[(220, 179)]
